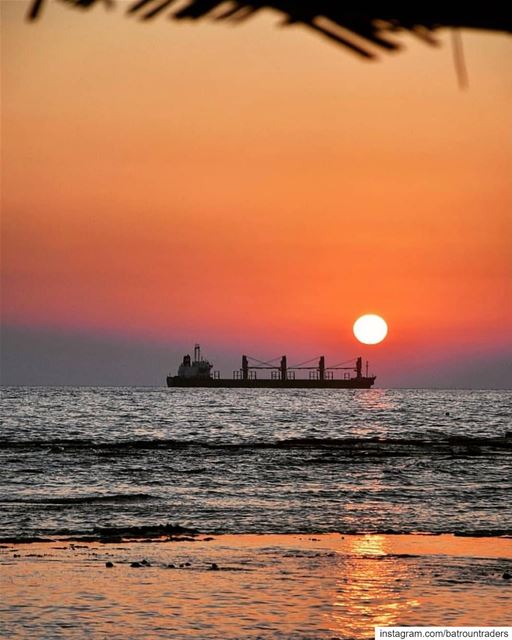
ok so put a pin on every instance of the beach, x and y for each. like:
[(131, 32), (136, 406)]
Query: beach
[(253, 586), (252, 513)]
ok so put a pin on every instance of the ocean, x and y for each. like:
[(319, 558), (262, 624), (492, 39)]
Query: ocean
[(104, 461)]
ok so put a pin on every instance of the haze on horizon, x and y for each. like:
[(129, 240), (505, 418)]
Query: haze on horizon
[(253, 189)]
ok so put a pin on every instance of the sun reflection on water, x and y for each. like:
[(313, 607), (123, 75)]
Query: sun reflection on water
[(371, 592), (373, 399)]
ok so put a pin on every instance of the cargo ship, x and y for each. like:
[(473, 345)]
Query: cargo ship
[(278, 375)]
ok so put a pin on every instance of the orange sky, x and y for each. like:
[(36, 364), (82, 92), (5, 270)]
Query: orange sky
[(253, 185)]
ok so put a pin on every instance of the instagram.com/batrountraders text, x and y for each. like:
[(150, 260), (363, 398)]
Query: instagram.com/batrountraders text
[(457, 633)]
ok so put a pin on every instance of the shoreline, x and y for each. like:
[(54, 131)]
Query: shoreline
[(254, 585), (177, 533), (343, 543)]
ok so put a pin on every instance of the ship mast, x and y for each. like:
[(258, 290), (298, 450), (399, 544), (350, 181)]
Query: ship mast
[(245, 368), (283, 367), (321, 368)]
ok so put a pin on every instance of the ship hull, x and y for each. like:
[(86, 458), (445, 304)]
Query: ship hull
[(351, 383)]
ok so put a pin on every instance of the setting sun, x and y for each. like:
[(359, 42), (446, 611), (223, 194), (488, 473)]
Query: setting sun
[(370, 329)]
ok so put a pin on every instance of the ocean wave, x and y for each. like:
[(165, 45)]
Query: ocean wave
[(174, 532), (454, 445), (72, 500), (108, 534)]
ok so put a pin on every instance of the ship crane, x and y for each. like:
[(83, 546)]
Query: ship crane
[(282, 371)]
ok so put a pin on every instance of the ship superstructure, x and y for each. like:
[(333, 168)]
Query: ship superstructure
[(199, 368), (276, 374)]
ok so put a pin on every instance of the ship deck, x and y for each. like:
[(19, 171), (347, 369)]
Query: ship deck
[(229, 383)]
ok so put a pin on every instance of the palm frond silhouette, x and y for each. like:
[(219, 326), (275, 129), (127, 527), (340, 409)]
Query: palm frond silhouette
[(357, 28)]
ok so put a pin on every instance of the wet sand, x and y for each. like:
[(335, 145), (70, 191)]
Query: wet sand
[(253, 586)]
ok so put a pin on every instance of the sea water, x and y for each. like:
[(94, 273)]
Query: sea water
[(81, 460)]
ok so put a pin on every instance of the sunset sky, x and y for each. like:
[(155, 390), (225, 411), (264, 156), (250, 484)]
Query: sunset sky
[(254, 189)]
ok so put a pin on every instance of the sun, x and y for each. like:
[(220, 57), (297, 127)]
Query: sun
[(370, 329)]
